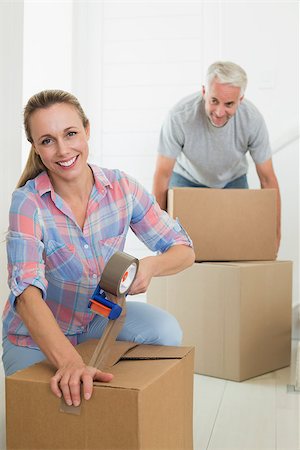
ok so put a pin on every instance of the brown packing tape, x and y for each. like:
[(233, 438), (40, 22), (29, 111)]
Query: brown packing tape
[(119, 352), (114, 271), (64, 408), (100, 357)]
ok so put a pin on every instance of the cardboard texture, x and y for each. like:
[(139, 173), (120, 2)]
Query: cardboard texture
[(237, 315), (227, 224), (147, 406)]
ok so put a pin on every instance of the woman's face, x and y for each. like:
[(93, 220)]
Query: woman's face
[(61, 141)]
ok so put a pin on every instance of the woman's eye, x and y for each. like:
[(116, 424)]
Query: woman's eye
[(46, 141)]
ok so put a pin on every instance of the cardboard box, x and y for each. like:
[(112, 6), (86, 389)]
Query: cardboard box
[(147, 406), (237, 315), (227, 224)]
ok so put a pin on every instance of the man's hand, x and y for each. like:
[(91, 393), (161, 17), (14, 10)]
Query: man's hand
[(268, 180)]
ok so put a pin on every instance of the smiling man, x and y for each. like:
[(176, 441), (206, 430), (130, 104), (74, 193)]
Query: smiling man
[(206, 136)]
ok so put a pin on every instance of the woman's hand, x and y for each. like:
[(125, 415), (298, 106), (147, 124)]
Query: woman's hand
[(145, 273), (67, 381), (175, 259)]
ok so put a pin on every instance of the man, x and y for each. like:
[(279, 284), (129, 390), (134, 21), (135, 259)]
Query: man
[(205, 138)]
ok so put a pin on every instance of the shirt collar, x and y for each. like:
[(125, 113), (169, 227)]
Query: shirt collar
[(43, 183)]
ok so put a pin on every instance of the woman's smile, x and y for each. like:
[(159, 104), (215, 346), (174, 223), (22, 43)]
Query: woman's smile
[(69, 163)]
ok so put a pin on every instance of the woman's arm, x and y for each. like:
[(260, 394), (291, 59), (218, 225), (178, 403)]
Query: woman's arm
[(175, 259), (45, 331)]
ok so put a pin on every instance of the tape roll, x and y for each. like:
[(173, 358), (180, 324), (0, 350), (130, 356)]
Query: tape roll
[(119, 274)]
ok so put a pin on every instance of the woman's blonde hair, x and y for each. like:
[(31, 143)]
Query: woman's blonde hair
[(44, 99)]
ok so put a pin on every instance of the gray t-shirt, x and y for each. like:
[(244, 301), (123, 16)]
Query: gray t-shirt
[(210, 155)]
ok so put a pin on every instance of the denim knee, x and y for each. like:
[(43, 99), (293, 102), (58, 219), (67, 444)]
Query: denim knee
[(168, 330), (148, 324)]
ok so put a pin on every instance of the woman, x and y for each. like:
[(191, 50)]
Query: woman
[(66, 220)]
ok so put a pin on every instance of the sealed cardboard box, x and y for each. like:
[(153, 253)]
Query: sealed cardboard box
[(237, 315), (227, 224), (147, 406)]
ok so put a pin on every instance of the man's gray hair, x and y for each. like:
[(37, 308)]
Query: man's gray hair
[(227, 73)]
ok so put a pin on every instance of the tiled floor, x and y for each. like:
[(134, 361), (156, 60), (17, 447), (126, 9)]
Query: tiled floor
[(258, 414)]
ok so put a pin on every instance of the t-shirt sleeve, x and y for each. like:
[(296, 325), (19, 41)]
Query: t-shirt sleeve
[(24, 246), (171, 139), (153, 226), (259, 144)]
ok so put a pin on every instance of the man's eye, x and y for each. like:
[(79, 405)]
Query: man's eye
[(229, 105), (72, 133), (214, 101)]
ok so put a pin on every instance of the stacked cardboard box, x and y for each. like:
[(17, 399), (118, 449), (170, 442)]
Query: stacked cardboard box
[(236, 312), (147, 406), (227, 224)]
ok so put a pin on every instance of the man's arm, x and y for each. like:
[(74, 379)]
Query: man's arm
[(268, 180), (162, 175)]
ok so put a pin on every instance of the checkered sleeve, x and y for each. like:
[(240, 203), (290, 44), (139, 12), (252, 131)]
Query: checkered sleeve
[(153, 226), (24, 247)]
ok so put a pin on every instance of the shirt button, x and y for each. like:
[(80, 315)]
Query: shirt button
[(86, 246), (94, 275)]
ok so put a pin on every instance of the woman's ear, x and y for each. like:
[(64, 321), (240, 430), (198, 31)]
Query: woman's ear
[(34, 148), (87, 130)]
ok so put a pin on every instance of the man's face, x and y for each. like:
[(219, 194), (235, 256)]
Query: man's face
[(221, 102)]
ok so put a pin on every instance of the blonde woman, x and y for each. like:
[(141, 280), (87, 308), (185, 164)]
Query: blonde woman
[(67, 218)]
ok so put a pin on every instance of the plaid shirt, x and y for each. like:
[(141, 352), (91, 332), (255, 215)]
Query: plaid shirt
[(47, 249)]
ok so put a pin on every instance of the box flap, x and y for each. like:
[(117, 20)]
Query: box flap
[(147, 362), (155, 352), (119, 349), (123, 351)]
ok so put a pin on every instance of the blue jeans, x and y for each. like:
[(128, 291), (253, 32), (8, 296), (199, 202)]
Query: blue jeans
[(179, 181), (145, 324)]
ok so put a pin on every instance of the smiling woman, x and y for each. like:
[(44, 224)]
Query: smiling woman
[(47, 109), (61, 141), (67, 218)]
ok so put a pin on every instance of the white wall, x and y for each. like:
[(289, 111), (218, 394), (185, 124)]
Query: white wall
[(128, 63), (47, 49), (11, 36)]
